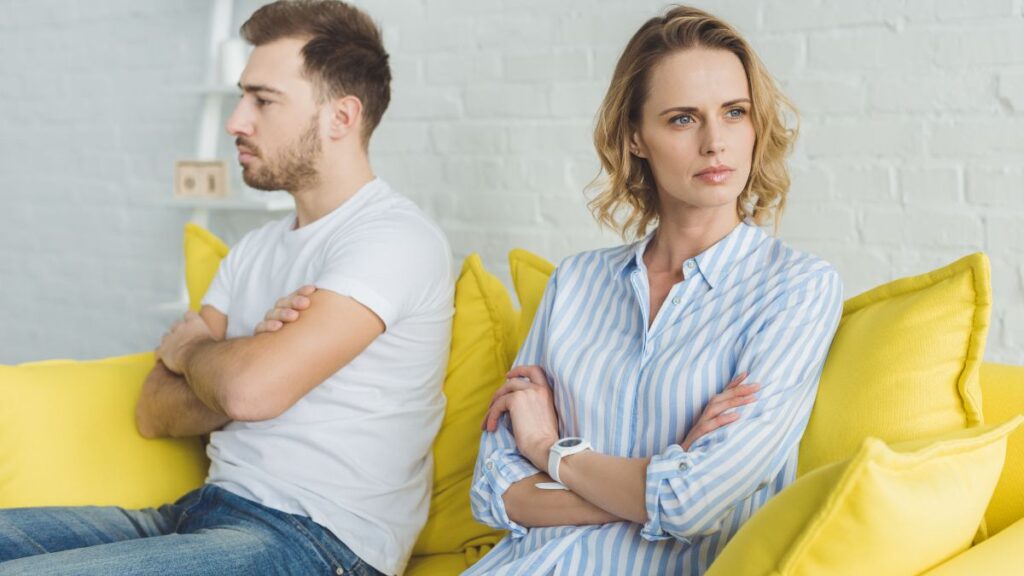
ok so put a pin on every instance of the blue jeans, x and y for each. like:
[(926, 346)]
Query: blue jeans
[(210, 531)]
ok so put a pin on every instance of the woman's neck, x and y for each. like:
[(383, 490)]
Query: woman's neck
[(678, 239)]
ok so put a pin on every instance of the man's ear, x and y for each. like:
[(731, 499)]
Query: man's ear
[(636, 145), (346, 117)]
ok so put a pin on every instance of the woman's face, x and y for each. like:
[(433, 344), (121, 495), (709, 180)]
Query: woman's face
[(696, 132)]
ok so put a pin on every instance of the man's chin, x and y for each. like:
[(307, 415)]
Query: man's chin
[(257, 183)]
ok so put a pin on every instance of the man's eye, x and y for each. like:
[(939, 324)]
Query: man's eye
[(261, 102)]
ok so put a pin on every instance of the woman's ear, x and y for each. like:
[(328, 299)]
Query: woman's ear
[(636, 145), (346, 115)]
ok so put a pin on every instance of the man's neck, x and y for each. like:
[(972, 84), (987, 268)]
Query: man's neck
[(338, 182)]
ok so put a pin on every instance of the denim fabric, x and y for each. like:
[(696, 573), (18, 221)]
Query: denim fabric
[(210, 531)]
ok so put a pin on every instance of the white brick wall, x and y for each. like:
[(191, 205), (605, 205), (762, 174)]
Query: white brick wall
[(911, 154)]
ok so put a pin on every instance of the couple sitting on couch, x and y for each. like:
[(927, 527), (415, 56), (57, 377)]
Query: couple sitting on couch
[(657, 403)]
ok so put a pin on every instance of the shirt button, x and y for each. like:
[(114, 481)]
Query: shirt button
[(489, 465), (684, 465), (339, 571), (690, 264), (677, 300)]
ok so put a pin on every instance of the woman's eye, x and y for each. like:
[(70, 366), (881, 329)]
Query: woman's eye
[(736, 113), (682, 119)]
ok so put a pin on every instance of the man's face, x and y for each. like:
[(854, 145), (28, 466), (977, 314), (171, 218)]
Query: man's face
[(276, 124)]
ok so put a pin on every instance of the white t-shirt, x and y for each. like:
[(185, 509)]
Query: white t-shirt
[(354, 454)]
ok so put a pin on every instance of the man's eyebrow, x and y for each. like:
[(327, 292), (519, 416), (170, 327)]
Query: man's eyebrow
[(258, 88), (691, 109)]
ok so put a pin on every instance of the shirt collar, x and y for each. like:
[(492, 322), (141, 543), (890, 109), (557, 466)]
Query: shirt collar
[(714, 263)]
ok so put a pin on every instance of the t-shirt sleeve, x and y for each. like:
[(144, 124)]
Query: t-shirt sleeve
[(218, 294), (393, 268)]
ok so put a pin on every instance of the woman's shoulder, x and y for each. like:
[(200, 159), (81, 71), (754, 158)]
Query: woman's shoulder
[(597, 261), (796, 265)]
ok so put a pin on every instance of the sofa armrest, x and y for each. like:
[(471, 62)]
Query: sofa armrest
[(1000, 555), (1002, 392)]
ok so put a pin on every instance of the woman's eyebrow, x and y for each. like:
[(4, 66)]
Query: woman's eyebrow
[(691, 109)]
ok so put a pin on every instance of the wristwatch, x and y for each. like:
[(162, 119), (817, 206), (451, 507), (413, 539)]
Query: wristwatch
[(561, 449)]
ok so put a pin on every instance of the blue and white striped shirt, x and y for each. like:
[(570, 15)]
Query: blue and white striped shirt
[(748, 303)]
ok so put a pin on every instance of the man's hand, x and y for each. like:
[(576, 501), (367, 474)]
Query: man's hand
[(715, 416), (526, 396), (286, 310), (182, 336)]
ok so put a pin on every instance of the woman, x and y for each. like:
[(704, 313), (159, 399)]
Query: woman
[(637, 352)]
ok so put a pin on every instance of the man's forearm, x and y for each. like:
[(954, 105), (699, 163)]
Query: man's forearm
[(532, 507), (168, 407)]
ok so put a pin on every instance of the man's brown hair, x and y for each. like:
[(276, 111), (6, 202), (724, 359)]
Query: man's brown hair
[(343, 56)]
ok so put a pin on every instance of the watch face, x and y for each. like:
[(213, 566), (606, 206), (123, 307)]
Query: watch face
[(570, 442)]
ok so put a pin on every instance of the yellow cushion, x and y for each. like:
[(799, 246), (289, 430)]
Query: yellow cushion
[(482, 330), (1003, 395), (898, 510), (203, 253), (69, 438), (530, 275), (904, 363), (451, 564), (1000, 555)]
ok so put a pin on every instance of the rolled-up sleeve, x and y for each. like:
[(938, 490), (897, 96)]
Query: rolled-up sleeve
[(690, 493), (499, 463)]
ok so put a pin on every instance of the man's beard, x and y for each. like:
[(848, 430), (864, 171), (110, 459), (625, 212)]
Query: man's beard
[(292, 169)]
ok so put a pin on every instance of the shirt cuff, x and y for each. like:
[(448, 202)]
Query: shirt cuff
[(500, 470), (663, 467)]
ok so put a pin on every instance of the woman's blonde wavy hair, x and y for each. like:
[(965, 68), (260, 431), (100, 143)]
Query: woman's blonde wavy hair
[(626, 200)]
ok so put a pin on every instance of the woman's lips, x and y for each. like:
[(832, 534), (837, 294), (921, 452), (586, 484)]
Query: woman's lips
[(715, 175)]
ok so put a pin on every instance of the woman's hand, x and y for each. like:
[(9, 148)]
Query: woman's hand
[(526, 396), (714, 415), (286, 310)]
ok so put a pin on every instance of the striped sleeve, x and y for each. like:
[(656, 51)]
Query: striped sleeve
[(691, 493), (499, 463)]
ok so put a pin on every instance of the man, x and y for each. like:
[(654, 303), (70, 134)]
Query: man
[(321, 412)]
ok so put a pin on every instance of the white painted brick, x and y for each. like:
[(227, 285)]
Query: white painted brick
[(931, 185), (562, 65), (471, 176), (943, 229), (466, 138), (868, 137), (513, 31), (817, 96), (782, 55), (996, 186), (576, 100), (961, 10), (806, 221), (425, 102), (976, 46), (558, 138), (432, 35), (883, 226), (395, 136), (785, 15), (982, 137), (1011, 90), (608, 28), (509, 100), (872, 49), (463, 68), (508, 209), (918, 94), (808, 183), (864, 184), (535, 173)]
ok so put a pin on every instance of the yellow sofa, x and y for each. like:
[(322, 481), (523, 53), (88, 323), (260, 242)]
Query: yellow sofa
[(67, 432)]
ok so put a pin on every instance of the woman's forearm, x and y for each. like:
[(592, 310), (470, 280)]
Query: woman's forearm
[(533, 507), (612, 483)]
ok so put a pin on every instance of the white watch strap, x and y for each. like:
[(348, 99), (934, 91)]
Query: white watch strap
[(561, 449)]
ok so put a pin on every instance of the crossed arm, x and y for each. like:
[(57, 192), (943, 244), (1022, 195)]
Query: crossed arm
[(202, 380), (603, 488)]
